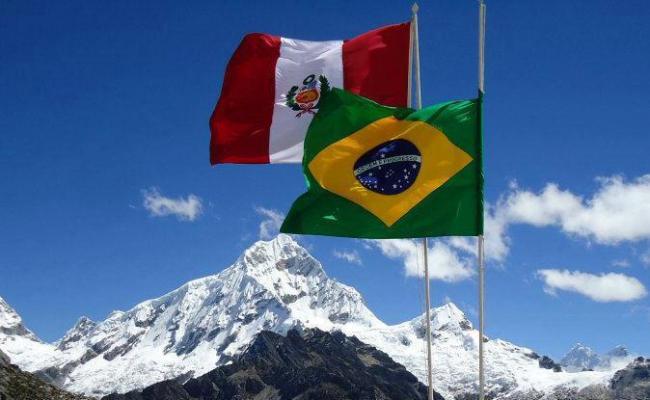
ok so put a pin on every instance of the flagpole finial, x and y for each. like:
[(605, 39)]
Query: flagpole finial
[(415, 8)]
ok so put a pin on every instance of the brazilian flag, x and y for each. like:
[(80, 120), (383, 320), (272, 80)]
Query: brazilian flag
[(382, 172)]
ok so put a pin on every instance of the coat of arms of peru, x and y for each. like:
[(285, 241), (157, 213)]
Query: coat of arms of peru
[(306, 97)]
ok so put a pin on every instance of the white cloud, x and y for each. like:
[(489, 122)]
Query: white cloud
[(185, 209), (270, 225), (351, 257), (618, 211), (365, 244), (602, 288), (623, 263), (645, 258), (497, 242), (444, 263)]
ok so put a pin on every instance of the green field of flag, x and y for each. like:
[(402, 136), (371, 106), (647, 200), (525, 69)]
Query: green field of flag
[(382, 172)]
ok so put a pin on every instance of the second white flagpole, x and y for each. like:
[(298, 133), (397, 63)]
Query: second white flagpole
[(415, 50), (481, 240)]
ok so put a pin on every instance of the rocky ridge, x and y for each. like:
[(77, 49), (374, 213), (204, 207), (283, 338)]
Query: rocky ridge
[(18, 385), (301, 365)]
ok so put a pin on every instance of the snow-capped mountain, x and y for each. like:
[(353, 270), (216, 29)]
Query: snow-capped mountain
[(20, 344), (579, 358), (582, 357), (510, 369), (275, 286), (81, 329)]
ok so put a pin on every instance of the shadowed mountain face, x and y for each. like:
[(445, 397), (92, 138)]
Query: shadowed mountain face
[(311, 365), (18, 385), (633, 381)]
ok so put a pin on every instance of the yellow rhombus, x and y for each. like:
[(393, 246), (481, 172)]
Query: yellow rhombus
[(333, 167)]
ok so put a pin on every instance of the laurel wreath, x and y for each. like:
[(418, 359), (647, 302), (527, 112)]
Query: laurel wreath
[(290, 99), (324, 88)]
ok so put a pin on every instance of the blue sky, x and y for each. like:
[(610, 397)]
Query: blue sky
[(101, 102)]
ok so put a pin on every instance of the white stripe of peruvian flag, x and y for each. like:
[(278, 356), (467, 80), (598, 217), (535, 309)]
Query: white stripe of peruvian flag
[(252, 122)]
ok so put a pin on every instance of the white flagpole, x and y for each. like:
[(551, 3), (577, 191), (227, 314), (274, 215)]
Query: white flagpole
[(425, 250), (409, 99), (481, 323), (481, 46), (481, 240), (415, 50)]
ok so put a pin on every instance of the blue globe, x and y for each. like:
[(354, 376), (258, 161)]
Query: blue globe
[(389, 168)]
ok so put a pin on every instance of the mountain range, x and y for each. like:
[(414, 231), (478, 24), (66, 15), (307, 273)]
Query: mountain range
[(273, 286)]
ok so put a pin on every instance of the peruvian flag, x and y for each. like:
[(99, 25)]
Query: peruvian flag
[(273, 85)]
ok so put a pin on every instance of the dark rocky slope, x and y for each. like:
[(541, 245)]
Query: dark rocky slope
[(308, 365), (633, 381), (19, 385)]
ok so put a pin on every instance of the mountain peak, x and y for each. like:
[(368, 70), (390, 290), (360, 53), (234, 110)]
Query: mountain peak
[(279, 244), (581, 347), (284, 238), (450, 309), (8, 316), (292, 275), (581, 357), (80, 330), (19, 343), (618, 351), (282, 253), (11, 323), (447, 317)]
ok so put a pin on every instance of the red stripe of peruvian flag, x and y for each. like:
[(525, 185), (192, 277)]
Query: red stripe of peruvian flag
[(272, 87)]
